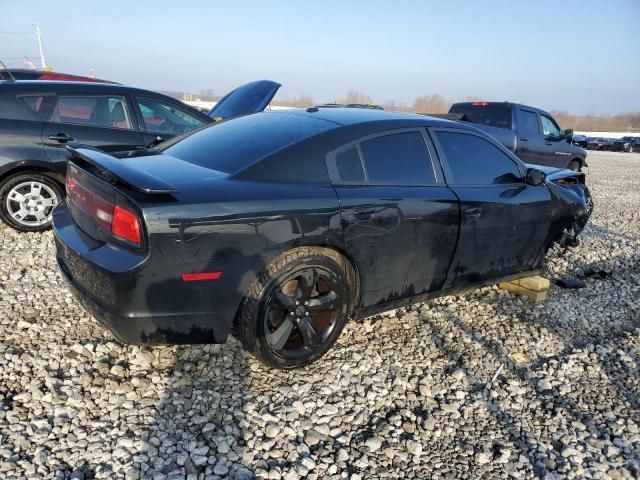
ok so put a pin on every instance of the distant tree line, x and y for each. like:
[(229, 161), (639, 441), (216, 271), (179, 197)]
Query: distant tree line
[(621, 122)]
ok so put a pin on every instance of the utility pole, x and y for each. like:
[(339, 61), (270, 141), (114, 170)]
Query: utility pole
[(38, 33)]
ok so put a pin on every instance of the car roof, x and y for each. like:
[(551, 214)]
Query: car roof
[(508, 104), (61, 85), (352, 116)]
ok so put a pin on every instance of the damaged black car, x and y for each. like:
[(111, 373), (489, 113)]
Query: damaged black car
[(280, 226)]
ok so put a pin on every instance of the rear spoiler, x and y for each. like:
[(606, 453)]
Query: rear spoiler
[(120, 170), (458, 117)]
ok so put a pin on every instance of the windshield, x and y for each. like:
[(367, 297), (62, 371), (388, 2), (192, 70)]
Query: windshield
[(485, 113)]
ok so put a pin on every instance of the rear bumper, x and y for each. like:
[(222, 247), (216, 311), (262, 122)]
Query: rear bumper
[(140, 299)]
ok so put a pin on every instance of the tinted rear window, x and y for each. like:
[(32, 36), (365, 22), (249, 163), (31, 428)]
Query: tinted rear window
[(398, 159), (492, 114), (232, 145)]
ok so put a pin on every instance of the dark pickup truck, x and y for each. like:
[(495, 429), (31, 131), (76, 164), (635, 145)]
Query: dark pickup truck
[(532, 134)]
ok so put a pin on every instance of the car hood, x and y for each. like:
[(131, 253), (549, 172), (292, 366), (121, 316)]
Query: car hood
[(249, 98), (553, 173)]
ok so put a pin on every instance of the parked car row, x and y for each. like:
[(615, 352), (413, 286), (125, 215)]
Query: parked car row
[(177, 226), (624, 144)]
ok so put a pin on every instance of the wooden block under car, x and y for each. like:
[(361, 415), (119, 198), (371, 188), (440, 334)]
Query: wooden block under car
[(531, 294), (535, 283)]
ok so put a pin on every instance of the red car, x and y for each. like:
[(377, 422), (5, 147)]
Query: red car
[(25, 74)]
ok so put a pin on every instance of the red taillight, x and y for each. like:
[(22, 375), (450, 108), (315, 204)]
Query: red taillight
[(99, 208), (125, 225), (111, 218), (480, 104)]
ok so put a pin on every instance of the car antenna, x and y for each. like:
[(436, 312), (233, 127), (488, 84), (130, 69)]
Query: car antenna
[(3, 67)]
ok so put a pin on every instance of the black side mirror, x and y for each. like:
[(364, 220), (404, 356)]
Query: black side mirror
[(534, 177), (568, 135)]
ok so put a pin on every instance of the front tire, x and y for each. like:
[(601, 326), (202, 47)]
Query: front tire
[(297, 307), (27, 200), (574, 165)]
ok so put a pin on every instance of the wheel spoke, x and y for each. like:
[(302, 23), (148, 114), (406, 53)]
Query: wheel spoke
[(307, 282), (310, 336), (20, 214), (49, 202), (282, 301), (35, 189), (326, 301), (16, 197), (280, 335), (40, 216)]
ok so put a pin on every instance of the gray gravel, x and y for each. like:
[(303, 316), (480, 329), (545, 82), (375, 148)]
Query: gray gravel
[(407, 394)]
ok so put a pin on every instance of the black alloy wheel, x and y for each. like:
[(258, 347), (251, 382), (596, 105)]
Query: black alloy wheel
[(302, 307)]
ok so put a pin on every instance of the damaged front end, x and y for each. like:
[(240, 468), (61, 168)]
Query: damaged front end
[(572, 206)]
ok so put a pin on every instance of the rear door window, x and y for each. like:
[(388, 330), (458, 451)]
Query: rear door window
[(529, 123), (398, 159), (474, 160), (95, 111)]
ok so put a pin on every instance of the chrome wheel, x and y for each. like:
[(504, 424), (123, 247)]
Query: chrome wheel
[(302, 312), (30, 203)]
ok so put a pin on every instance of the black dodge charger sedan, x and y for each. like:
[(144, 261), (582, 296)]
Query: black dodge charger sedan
[(282, 225)]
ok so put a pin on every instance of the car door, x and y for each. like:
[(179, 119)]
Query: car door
[(504, 221), (103, 121), (399, 219), (531, 148), (163, 119)]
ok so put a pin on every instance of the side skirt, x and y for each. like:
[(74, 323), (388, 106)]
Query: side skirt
[(403, 302)]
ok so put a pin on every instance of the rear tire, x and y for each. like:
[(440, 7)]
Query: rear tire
[(297, 307), (574, 165), (27, 200)]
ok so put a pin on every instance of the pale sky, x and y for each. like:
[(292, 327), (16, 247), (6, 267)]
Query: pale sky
[(579, 56)]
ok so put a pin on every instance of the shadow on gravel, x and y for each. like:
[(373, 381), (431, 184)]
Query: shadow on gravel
[(197, 429), (610, 342), (198, 426)]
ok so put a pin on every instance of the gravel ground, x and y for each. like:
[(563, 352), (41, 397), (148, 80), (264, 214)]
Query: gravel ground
[(482, 385)]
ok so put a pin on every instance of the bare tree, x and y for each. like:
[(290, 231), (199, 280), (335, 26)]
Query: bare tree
[(431, 104), (301, 101), (394, 106), (355, 96)]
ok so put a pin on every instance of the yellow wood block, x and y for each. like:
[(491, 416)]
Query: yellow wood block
[(535, 283), (525, 292)]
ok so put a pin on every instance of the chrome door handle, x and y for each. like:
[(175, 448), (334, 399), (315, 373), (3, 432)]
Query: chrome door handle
[(363, 214), (61, 137)]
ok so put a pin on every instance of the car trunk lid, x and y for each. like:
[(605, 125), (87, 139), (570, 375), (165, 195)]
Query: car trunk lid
[(249, 98), (105, 194)]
